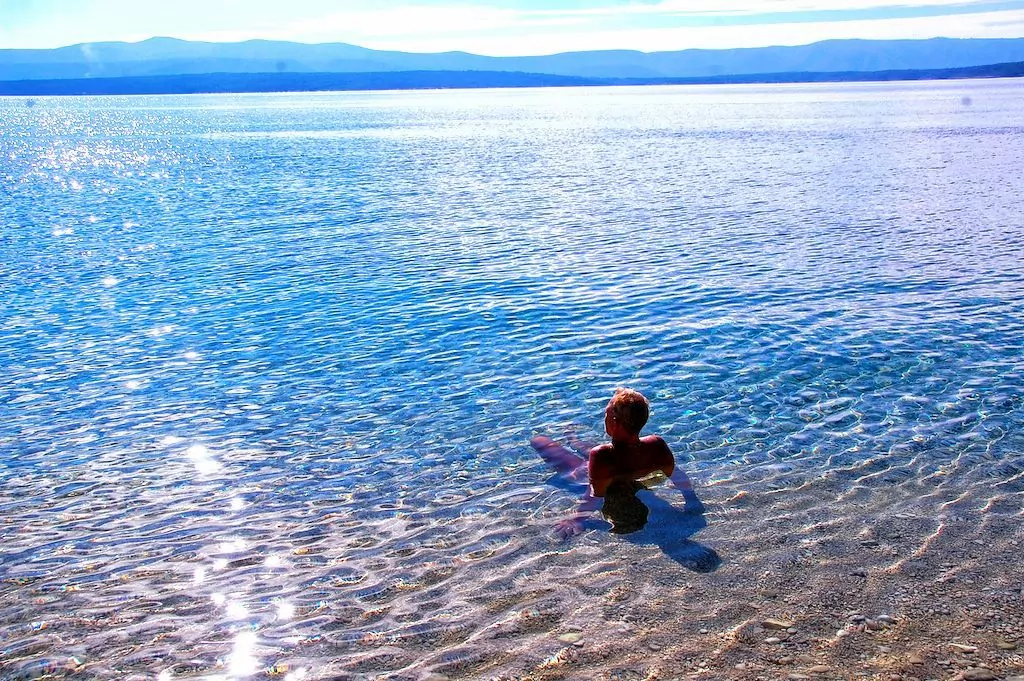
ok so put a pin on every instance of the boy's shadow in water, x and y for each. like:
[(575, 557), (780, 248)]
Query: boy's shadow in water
[(670, 528), (666, 526)]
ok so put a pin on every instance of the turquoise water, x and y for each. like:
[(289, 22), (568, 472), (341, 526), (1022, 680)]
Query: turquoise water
[(271, 363)]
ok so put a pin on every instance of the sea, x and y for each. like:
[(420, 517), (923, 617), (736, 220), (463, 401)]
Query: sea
[(270, 364)]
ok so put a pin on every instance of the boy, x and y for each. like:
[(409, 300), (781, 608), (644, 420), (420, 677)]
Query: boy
[(615, 470)]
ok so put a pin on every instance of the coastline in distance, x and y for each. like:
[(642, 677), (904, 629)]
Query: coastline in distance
[(411, 80)]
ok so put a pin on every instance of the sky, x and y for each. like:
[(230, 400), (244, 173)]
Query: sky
[(506, 27)]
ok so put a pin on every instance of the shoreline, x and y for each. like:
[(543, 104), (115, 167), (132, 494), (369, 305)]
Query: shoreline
[(254, 83)]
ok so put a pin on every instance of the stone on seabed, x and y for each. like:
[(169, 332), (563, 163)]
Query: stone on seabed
[(961, 648), (777, 624)]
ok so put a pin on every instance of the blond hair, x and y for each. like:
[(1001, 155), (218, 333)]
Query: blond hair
[(629, 408)]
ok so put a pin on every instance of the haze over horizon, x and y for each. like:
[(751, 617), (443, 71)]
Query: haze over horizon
[(510, 27)]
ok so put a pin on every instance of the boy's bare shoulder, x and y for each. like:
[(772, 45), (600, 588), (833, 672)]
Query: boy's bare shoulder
[(654, 441), (657, 447), (601, 451)]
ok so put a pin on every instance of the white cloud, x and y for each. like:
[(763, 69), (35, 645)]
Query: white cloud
[(1007, 24), (358, 26), (451, 19), (483, 29), (430, 20), (501, 31), (701, 7)]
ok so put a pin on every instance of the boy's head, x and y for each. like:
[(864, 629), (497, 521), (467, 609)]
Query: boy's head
[(627, 409)]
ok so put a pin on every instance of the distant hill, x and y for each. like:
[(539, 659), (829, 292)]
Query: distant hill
[(407, 80), (169, 56), (286, 82)]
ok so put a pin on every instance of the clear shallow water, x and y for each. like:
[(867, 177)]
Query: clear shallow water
[(271, 363)]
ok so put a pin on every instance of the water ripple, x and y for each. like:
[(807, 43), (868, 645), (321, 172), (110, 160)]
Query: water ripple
[(271, 363)]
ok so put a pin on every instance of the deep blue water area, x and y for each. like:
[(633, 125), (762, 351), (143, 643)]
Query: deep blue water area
[(268, 355)]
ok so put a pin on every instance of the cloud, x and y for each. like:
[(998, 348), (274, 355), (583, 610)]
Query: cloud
[(358, 26), (433, 20), (416, 25), (501, 30), (1005, 24), (701, 7)]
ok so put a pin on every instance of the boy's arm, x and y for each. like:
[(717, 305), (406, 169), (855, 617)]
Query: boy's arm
[(678, 478), (599, 477)]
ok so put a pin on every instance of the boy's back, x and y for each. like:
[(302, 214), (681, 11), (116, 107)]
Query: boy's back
[(620, 461)]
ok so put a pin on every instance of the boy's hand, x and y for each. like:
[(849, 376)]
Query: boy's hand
[(569, 527)]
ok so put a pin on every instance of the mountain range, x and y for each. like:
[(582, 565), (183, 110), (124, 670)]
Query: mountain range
[(173, 57)]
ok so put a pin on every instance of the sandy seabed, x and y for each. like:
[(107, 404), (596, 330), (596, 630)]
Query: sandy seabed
[(895, 567), (878, 571)]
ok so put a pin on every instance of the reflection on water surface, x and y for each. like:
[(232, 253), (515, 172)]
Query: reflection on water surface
[(271, 365)]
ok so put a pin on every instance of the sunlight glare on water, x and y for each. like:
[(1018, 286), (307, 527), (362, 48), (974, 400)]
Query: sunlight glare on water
[(271, 363)]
